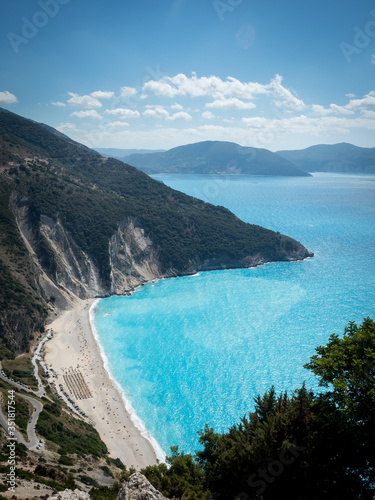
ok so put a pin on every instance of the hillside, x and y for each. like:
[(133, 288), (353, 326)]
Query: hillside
[(75, 224), (342, 157), (119, 154), (215, 157)]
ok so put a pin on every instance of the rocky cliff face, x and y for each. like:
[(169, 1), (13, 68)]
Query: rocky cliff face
[(139, 488), (133, 258), (66, 272), (70, 495)]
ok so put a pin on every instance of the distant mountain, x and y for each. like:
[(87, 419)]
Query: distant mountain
[(215, 157), (121, 153), (342, 157), (76, 224)]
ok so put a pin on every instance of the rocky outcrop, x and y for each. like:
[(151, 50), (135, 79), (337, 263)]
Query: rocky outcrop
[(139, 488), (133, 257), (66, 272), (75, 271), (70, 495)]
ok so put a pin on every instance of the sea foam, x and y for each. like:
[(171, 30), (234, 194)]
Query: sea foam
[(138, 423)]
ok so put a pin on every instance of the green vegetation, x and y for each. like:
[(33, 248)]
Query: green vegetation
[(71, 435), (59, 486), (20, 302), (116, 462), (64, 460), (23, 412), (21, 369), (182, 478), (303, 446), (105, 493), (90, 196)]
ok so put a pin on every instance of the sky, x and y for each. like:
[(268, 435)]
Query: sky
[(159, 74)]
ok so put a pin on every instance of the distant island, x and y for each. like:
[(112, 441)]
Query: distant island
[(342, 157), (228, 158), (215, 157)]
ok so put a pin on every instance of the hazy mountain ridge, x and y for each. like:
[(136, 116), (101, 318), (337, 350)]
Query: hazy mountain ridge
[(75, 224), (343, 157), (215, 157), (119, 153)]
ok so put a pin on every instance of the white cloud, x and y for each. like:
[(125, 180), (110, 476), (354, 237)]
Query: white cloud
[(156, 111), (333, 109), (59, 104), (354, 105), (83, 101), (123, 113), (100, 94), (117, 125), (231, 103), (368, 113), (308, 125), (295, 121), (321, 110), (208, 115), (128, 91), (285, 97), (7, 98), (367, 100), (180, 115), (205, 86), (63, 127), (372, 58), (213, 86), (92, 113), (275, 134)]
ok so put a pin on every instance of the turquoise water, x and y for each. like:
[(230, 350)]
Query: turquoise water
[(197, 350)]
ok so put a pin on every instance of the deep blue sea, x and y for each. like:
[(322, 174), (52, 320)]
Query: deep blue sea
[(196, 350)]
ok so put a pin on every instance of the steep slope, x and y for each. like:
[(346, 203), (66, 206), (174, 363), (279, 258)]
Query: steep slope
[(342, 157), (88, 226), (215, 157)]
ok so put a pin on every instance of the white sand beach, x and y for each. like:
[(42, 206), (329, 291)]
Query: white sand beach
[(74, 347)]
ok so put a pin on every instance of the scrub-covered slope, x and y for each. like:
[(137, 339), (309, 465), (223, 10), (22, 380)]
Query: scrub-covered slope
[(76, 224)]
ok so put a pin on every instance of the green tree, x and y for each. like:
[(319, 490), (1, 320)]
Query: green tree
[(346, 366), (344, 449)]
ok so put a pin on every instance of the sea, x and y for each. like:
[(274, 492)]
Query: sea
[(196, 350)]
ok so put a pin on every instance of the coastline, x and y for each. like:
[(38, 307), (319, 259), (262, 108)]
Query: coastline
[(75, 346), (138, 423)]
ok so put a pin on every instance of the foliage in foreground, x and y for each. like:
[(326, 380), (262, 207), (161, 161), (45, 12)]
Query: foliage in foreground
[(304, 446)]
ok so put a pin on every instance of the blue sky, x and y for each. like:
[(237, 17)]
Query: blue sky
[(127, 74)]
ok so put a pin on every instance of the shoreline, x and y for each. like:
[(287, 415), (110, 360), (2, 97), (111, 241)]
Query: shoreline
[(75, 346), (137, 421)]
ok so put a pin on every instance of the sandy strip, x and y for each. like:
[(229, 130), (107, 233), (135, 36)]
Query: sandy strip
[(74, 346)]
